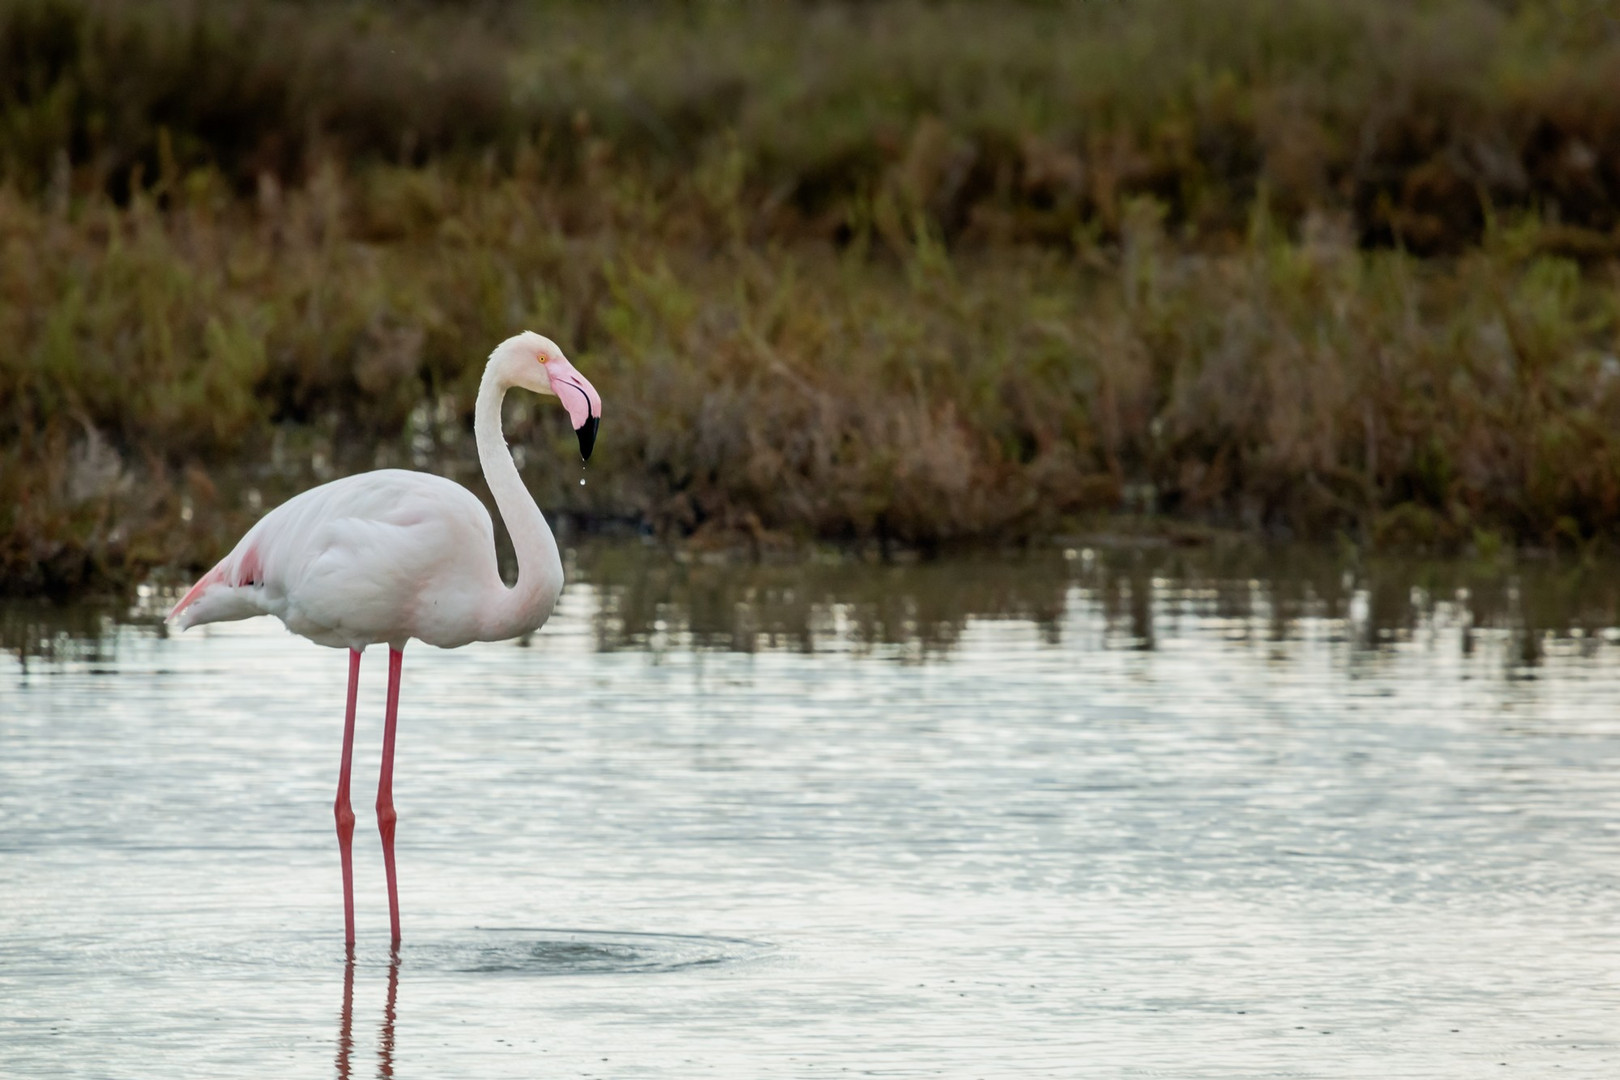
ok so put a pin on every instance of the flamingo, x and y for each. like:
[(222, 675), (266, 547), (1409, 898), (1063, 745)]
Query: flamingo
[(392, 555)]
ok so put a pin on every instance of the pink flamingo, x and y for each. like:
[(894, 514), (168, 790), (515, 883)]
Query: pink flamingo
[(391, 555)]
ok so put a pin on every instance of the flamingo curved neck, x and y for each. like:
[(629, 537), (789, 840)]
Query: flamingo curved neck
[(519, 609)]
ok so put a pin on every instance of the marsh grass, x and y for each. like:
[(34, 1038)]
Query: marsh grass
[(891, 274)]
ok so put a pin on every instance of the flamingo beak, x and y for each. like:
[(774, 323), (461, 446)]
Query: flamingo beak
[(587, 437), (580, 398)]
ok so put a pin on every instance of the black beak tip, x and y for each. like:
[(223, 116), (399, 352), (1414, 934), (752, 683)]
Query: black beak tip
[(587, 437)]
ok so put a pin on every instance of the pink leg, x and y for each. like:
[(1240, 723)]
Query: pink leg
[(342, 810), (385, 789)]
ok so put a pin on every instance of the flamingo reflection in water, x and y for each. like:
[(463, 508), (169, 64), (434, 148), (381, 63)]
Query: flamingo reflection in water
[(385, 1037)]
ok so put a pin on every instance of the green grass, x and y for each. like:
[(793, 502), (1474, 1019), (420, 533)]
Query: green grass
[(1027, 122), (892, 273)]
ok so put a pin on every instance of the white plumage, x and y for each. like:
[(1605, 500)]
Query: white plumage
[(378, 557)]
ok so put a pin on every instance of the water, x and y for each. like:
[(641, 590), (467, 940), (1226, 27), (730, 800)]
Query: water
[(1125, 814)]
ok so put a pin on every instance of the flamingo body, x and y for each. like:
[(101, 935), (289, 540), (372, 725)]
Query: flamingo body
[(384, 556)]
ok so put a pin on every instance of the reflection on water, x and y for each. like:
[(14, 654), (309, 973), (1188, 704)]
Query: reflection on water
[(652, 602), (1100, 813), (345, 1040), (649, 600), (385, 1036), (385, 1042), (38, 629), (524, 952)]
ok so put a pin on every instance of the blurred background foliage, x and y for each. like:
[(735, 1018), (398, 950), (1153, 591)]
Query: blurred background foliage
[(896, 273)]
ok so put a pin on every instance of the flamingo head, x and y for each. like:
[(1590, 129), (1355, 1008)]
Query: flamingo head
[(535, 363)]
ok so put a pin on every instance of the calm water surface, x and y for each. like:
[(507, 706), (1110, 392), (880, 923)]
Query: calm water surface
[(1130, 814)]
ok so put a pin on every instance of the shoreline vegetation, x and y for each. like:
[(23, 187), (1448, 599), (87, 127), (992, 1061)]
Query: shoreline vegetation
[(898, 275)]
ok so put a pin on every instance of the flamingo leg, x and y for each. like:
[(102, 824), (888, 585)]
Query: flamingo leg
[(342, 810), (385, 790)]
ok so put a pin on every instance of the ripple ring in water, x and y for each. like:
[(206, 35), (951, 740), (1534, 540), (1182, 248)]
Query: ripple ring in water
[(550, 952)]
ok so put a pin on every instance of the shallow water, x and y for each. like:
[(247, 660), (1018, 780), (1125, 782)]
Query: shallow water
[(1103, 815)]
